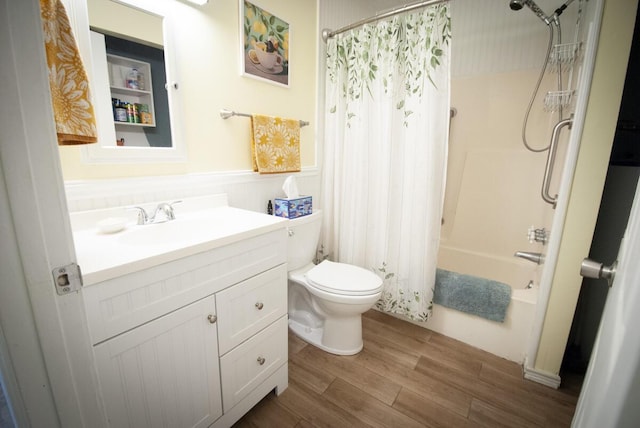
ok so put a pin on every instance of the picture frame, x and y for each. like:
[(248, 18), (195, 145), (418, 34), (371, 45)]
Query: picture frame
[(265, 45)]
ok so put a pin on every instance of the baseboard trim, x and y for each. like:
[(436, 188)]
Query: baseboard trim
[(544, 378)]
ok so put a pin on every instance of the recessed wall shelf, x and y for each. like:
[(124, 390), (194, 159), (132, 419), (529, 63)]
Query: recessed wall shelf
[(119, 68)]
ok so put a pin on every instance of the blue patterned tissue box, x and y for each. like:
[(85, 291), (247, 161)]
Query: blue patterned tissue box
[(292, 208)]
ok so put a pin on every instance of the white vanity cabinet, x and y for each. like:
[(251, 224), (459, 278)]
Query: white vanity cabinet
[(196, 341)]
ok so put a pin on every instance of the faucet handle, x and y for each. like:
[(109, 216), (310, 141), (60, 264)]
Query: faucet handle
[(171, 215), (167, 209), (143, 217)]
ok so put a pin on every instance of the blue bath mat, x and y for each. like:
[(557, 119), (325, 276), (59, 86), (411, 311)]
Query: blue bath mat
[(471, 294)]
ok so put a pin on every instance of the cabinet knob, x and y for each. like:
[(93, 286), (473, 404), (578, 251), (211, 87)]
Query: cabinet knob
[(261, 360), (259, 306), (212, 318)]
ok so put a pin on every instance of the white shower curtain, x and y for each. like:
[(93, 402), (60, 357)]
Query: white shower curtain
[(387, 118)]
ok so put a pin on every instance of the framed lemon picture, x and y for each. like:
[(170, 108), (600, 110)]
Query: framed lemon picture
[(265, 53)]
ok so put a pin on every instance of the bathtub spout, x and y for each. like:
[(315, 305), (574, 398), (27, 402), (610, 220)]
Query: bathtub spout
[(537, 258)]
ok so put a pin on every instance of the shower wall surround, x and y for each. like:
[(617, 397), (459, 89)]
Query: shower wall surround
[(490, 38), (493, 182)]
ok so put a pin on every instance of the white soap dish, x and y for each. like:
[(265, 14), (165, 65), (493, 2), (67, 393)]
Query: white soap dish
[(112, 224)]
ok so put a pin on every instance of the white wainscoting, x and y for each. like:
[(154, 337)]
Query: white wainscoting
[(246, 190)]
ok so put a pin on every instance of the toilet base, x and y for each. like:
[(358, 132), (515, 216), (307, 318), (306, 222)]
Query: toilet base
[(350, 344)]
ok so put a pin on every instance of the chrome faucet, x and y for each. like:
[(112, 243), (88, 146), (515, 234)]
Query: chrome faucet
[(166, 209), (163, 207)]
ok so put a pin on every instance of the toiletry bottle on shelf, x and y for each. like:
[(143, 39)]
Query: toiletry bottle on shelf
[(132, 79), (132, 113), (114, 103), (121, 112), (145, 116), (141, 82), (269, 208)]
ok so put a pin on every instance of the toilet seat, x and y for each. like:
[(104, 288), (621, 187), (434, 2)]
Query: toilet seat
[(343, 279)]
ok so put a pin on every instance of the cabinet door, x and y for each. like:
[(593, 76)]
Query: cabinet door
[(165, 372)]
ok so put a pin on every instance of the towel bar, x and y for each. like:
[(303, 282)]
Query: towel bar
[(226, 114)]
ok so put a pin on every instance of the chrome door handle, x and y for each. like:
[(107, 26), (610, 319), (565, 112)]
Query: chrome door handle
[(592, 269)]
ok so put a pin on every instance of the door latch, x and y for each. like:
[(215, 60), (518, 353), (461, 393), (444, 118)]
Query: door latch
[(67, 279), (592, 269)]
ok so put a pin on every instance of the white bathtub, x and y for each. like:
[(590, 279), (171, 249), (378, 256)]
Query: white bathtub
[(508, 339)]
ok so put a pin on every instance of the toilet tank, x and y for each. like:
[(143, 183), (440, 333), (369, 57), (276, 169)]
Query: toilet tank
[(304, 234)]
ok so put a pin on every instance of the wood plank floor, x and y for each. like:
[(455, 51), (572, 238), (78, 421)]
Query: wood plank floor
[(407, 376)]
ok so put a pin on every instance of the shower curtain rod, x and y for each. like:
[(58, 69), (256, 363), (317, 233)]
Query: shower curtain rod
[(327, 34)]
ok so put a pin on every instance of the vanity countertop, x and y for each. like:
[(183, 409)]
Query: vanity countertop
[(103, 256)]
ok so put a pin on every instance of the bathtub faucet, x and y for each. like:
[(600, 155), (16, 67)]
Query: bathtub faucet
[(537, 258)]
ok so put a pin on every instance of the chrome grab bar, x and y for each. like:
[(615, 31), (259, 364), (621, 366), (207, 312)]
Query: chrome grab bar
[(551, 158)]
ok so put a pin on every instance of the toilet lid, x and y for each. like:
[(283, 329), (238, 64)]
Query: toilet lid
[(344, 279)]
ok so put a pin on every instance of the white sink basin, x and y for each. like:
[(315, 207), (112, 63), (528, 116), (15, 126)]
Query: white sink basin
[(170, 232), (107, 255)]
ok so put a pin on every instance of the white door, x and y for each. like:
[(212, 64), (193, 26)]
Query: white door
[(610, 394), (47, 362)]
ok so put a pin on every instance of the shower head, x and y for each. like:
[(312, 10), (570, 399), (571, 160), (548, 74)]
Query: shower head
[(516, 4), (519, 4)]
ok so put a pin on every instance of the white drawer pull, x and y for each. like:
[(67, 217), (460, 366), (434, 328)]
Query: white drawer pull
[(261, 360), (259, 305), (212, 319)]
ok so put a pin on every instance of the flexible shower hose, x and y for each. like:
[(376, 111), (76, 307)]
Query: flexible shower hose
[(535, 93)]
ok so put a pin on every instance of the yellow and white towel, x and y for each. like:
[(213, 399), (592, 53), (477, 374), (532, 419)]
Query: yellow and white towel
[(73, 112), (275, 144)]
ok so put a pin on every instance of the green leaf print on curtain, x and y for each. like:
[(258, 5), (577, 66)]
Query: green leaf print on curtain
[(408, 47), (385, 149)]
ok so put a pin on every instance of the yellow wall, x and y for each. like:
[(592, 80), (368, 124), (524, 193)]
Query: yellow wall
[(208, 52), (602, 113)]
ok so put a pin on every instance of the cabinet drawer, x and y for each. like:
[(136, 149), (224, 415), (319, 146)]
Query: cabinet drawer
[(248, 365), (248, 307)]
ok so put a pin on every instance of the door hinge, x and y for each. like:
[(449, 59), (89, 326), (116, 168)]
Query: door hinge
[(67, 279)]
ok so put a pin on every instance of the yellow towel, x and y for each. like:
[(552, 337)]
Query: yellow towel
[(275, 144), (72, 109)]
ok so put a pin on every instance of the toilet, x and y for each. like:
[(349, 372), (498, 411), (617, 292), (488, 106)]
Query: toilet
[(326, 301)]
